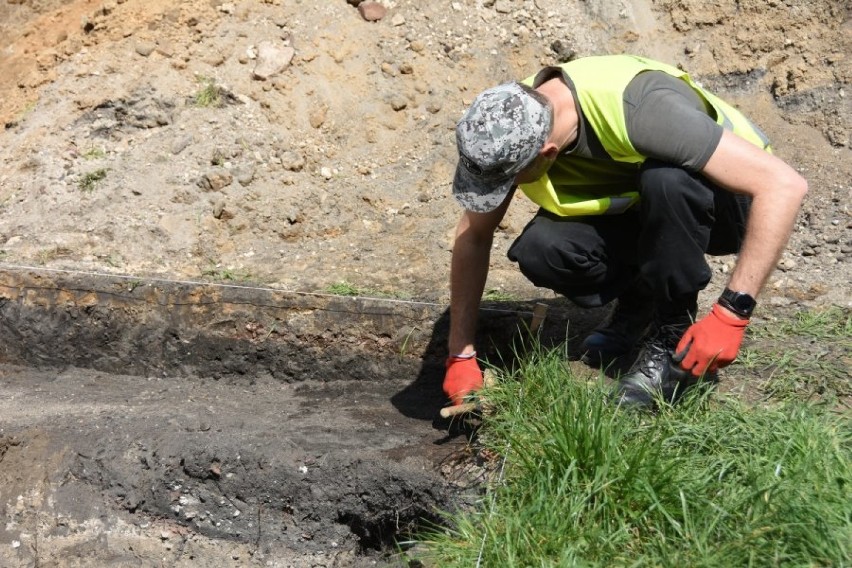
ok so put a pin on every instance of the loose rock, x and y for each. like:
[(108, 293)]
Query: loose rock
[(145, 48), (372, 11), (214, 181), (271, 59)]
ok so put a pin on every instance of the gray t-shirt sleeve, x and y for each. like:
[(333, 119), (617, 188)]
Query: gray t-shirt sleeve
[(668, 121)]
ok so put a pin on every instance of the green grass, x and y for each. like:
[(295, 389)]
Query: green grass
[(709, 483), (827, 323), (90, 180), (344, 288), (804, 357), (94, 153), (210, 94), (496, 295)]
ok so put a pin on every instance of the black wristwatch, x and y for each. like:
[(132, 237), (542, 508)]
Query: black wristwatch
[(738, 302)]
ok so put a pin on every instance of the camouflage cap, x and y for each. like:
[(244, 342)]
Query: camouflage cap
[(499, 135)]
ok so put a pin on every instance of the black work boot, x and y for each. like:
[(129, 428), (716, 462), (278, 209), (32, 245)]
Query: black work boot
[(624, 328), (655, 375)]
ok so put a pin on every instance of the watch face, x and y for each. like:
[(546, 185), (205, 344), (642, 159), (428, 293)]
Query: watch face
[(742, 303)]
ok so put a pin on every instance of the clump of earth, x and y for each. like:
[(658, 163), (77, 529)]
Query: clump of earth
[(298, 145)]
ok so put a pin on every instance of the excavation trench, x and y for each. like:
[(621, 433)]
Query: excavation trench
[(144, 419)]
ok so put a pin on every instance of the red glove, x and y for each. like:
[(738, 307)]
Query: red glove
[(712, 342), (463, 377)]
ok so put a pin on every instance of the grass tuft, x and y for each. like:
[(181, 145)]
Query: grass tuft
[(710, 482), (497, 295), (94, 153), (344, 288), (210, 94), (90, 180)]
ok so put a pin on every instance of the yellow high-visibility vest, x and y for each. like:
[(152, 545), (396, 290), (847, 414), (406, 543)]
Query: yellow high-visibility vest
[(581, 186)]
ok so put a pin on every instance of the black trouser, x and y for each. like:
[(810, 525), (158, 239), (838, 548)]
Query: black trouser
[(658, 245)]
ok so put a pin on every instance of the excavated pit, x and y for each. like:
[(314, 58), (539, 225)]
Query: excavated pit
[(203, 424)]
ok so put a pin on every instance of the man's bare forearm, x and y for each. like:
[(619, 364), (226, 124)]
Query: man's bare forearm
[(468, 273), (772, 217), (777, 191)]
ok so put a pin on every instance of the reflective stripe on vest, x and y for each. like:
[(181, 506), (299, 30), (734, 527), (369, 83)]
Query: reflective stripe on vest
[(574, 204)]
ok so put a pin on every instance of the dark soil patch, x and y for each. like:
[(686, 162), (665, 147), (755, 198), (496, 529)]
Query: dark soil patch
[(143, 418)]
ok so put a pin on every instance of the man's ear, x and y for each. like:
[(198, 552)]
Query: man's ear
[(549, 151)]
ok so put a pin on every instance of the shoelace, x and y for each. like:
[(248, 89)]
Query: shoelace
[(655, 352)]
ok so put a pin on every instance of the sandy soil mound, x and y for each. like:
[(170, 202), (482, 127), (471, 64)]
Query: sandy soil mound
[(154, 138)]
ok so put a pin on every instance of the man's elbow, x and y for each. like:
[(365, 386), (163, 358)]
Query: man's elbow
[(800, 188), (795, 187)]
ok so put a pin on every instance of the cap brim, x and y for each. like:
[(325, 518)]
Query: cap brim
[(477, 194)]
